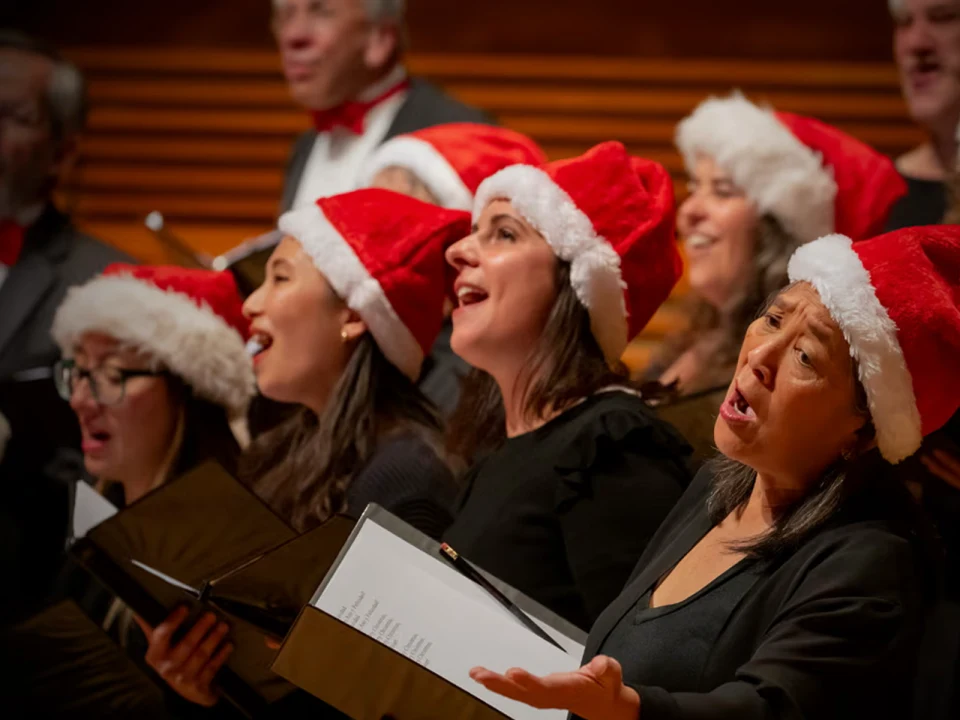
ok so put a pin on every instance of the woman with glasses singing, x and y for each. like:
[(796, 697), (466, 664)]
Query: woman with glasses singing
[(156, 371), (155, 368)]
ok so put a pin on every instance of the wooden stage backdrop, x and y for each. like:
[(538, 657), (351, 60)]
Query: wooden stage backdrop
[(190, 115)]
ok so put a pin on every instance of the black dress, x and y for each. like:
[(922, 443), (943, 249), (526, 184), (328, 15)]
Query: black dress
[(827, 632), (563, 512), (407, 477), (924, 204)]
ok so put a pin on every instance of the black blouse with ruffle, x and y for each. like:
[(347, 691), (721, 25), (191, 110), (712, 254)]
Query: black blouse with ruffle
[(562, 513)]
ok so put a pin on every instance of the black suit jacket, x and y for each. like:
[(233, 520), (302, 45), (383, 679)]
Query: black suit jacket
[(829, 632), (425, 105), (55, 256)]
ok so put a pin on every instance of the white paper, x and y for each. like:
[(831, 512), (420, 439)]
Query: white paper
[(426, 610), (90, 508), (167, 579)]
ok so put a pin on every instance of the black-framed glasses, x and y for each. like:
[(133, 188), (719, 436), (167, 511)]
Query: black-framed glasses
[(108, 385)]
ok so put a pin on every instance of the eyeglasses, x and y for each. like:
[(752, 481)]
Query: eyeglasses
[(108, 385)]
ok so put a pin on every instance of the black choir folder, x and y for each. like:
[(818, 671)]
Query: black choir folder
[(207, 541), (393, 630)]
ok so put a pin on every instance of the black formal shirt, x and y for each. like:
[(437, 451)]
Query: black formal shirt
[(563, 512), (829, 631)]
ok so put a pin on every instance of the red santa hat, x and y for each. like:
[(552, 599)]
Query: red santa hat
[(612, 218), (190, 321), (382, 253), (812, 177), (895, 298), (452, 160)]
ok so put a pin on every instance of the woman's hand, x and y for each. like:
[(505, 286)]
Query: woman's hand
[(944, 464), (189, 666), (594, 692)]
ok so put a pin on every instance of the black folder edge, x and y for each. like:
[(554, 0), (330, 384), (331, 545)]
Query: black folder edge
[(101, 565), (375, 513)]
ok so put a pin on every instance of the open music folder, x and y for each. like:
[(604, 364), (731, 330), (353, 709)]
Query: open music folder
[(394, 629), (207, 541)]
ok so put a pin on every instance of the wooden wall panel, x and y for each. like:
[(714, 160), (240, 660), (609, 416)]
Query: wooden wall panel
[(816, 29), (202, 135)]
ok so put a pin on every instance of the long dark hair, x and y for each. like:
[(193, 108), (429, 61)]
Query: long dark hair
[(564, 367), (768, 274), (206, 436), (303, 467)]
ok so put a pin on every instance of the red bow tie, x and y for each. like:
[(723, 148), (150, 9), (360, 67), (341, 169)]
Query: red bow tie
[(11, 242), (351, 115)]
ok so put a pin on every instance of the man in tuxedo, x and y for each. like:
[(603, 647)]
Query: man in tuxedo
[(343, 60), (42, 109), (926, 45)]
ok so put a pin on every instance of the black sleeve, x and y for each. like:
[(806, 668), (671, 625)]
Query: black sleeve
[(408, 479), (612, 505), (841, 645)]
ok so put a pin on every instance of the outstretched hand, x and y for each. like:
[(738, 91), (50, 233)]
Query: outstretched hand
[(594, 692)]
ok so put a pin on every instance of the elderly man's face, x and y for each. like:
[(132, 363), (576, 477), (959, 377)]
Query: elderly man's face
[(327, 47), (28, 153), (927, 49)]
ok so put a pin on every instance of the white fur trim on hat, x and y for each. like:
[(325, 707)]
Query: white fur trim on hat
[(835, 271), (350, 279), (594, 265), (780, 174), (192, 342), (427, 164)]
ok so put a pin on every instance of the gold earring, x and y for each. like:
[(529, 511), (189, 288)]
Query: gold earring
[(344, 335)]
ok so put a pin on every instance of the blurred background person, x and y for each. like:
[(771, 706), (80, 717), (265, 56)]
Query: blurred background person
[(445, 165), (42, 110), (352, 302), (926, 45), (155, 368), (573, 472), (927, 52), (761, 183), (343, 62), (793, 578)]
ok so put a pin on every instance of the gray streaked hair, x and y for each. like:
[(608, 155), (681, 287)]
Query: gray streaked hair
[(377, 10), (896, 6), (66, 92), (388, 10)]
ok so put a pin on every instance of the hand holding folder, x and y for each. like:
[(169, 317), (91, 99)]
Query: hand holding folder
[(205, 540)]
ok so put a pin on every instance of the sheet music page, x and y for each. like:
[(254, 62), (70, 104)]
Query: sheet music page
[(429, 612), (90, 508)]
